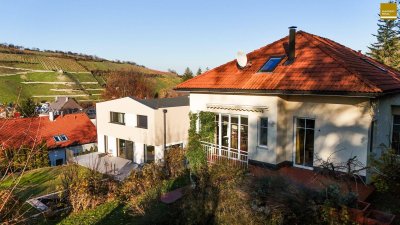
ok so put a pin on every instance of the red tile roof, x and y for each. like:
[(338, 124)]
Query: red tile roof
[(321, 65), (29, 131)]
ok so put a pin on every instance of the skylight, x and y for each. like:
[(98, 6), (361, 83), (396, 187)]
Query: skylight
[(59, 138), (271, 64)]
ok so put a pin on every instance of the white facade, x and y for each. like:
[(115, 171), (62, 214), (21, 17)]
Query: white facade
[(108, 133), (340, 126)]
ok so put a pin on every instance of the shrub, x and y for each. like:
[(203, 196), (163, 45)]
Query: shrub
[(175, 162), (85, 189), (386, 176)]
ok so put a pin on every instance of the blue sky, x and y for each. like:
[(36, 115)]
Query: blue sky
[(176, 34)]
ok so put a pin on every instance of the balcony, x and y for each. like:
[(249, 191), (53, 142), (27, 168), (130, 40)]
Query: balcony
[(217, 153)]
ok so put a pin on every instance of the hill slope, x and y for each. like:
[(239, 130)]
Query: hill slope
[(44, 75)]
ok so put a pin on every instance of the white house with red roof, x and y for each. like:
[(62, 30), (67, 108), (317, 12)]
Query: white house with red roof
[(298, 100), (73, 132)]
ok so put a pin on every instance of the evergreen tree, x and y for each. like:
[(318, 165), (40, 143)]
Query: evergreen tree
[(199, 71), (188, 74), (387, 48), (28, 108)]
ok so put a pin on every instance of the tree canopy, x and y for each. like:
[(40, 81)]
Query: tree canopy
[(387, 47)]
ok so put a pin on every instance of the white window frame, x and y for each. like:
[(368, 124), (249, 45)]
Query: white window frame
[(259, 132), (295, 143)]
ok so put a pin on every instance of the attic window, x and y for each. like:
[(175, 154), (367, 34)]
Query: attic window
[(271, 64), (59, 138)]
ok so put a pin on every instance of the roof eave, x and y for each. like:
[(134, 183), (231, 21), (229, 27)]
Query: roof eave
[(281, 92)]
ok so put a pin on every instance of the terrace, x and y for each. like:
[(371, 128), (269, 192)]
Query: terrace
[(118, 168)]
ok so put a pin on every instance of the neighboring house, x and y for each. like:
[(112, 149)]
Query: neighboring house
[(64, 105), (133, 128), (297, 100), (74, 132)]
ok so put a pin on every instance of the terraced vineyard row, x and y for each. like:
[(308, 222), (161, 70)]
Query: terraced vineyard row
[(39, 62)]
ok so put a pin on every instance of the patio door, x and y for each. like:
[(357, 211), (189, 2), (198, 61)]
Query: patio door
[(125, 149), (304, 150)]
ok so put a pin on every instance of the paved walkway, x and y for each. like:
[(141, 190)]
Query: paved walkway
[(117, 167)]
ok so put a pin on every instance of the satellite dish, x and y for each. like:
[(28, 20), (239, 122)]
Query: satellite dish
[(241, 59)]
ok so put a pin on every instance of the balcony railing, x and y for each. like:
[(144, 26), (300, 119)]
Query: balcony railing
[(216, 153)]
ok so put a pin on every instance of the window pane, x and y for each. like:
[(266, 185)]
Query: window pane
[(264, 136), (271, 64), (396, 138), (264, 122), (300, 146), (150, 153), (301, 123), (234, 135), (310, 124), (142, 121), (396, 119), (244, 120), (244, 137), (234, 119), (309, 147)]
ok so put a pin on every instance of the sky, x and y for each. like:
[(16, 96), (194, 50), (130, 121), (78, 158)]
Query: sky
[(172, 34)]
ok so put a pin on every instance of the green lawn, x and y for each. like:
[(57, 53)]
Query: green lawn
[(35, 182), (47, 77), (84, 77)]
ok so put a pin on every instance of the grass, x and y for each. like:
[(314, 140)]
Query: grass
[(35, 182), (84, 77), (9, 71)]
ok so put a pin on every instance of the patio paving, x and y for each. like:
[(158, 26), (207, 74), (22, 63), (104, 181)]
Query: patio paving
[(311, 179), (117, 167)]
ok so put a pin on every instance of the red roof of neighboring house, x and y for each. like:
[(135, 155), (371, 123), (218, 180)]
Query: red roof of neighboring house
[(29, 131), (321, 65)]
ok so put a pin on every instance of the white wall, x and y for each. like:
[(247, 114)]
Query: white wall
[(384, 121), (342, 124), (177, 126), (198, 102)]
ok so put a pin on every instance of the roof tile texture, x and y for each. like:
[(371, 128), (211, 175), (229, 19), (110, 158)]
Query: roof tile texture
[(320, 65), (31, 131)]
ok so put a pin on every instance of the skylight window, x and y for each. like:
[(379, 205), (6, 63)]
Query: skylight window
[(271, 64), (377, 66), (59, 138)]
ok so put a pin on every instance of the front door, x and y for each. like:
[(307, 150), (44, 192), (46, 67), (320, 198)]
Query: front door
[(304, 151)]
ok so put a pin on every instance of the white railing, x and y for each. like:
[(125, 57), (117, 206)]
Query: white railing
[(215, 153)]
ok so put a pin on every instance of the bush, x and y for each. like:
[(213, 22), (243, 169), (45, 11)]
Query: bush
[(85, 189), (386, 176), (175, 162), (14, 160)]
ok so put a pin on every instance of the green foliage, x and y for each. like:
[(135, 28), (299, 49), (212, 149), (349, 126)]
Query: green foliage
[(85, 189), (27, 108), (14, 160), (199, 71), (188, 74), (195, 154), (387, 48), (387, 177)]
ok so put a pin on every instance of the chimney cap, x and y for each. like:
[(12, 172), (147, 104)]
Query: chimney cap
[(292, 27)]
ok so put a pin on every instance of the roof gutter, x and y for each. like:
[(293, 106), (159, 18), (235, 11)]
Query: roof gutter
[(280, 92)]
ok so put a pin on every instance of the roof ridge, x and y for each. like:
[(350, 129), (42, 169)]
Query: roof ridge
[(340, 61)]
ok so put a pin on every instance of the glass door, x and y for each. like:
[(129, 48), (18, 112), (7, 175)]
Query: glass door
[(304, 154)]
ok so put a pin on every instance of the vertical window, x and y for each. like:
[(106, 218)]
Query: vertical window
[(263, 132), (142, 121), (244, 134), (116, 117), (396, 134), (234, 132), (149, 153), (225, 133)]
